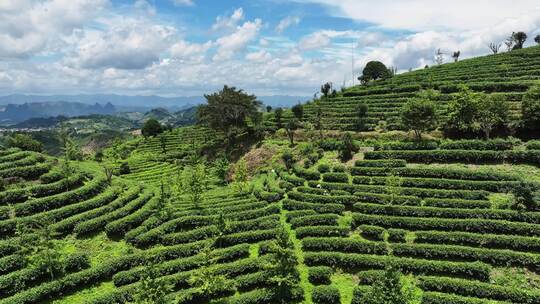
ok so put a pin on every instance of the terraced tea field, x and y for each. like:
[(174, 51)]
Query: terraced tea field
[(298, 223), (439, 223), (159, 158), (509, 74)]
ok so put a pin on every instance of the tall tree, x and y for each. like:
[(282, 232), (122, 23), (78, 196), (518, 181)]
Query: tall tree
[(298, 111), (194, 183), (418, 114), (229, 110), (530, 108), (348, 147), (537, 39), (291, 126), (456, 55), (374, 70), (495, 47), (151, 127), (439, 57), (461, 110), (241, 176), (492, 111), (519, 40), (278, 115), (510, 42), (283, 267), (72, 150), (326, 89), (361, 114)]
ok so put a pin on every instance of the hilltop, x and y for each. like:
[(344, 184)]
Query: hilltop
[(508, 74)]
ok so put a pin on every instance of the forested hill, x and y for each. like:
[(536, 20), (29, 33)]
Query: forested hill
[(509, 74)]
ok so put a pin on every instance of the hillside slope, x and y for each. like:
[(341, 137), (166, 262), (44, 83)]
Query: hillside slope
[(509, 74)]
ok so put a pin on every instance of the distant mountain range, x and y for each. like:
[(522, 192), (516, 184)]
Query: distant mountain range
[(117, 121), (15, 113), (15, 109), (141, 103)]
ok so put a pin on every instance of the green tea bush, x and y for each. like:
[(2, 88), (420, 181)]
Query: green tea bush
[(320, 275), (325, 295)]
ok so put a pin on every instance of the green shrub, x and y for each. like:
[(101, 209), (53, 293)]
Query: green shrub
[(397, 235), (384, 163), (322, 231), (339, 168), (373, 233), (307, 174), (336, 177), (406, 145), (470, 270), (320, 275), (323, 168), (325, 295)]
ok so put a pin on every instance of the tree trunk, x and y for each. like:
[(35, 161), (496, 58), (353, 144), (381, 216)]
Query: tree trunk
[(418, 135), (487, 133), (290, 133)]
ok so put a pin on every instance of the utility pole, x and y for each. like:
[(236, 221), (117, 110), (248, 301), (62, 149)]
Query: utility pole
[(352, 64)]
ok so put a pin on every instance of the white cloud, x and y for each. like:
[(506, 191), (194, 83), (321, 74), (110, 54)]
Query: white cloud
[(88, 49), (264, 42), (228, 22), (144, 6), (430, 15), (230, 44), (417, 50), (183, 2), (314, 41), (127, 44), (287, 22), (260, 56), (186, 50), (29, 27)]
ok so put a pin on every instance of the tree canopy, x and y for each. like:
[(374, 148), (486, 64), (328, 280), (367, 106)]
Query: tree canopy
[(530, 108), (298, 111), (151, 127), (375, 70), (361, 115), (468, 111), (491, 111), (519, 40), (461, 109), (418, 114), (24, 142), (229, 108)]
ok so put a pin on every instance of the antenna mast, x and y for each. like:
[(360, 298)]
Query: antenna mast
[(352, 63)]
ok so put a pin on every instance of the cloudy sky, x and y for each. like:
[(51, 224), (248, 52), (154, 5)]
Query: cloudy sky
[(268, 47)]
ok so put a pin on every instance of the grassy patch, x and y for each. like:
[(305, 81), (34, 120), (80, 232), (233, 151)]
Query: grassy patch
[(519, 278), (302, 268), (345, 283), (254, 250), (86, 295), (99, 248), (345, 220)]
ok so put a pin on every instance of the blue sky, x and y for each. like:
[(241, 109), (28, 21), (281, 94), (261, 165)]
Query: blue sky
[(273, 47)]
